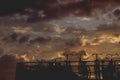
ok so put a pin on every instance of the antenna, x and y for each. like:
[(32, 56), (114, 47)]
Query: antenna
[(96, 56)]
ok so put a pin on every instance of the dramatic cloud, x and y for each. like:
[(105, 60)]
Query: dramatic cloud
[(40, 40), (46, 29), (24, 39), (38, 9), (110, 29)]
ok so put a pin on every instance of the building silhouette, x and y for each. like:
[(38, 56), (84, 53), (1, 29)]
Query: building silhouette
[(63, 70)]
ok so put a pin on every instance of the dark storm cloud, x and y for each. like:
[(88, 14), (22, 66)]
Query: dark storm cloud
[(73, 42), (10, 38), (40, 40), (23, 39), (109, 29), (117, 12), (53, 8), (14, 36), (1, 50)]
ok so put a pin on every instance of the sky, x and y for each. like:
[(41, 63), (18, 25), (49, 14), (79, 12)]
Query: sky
[(33, 30), (45, 29)]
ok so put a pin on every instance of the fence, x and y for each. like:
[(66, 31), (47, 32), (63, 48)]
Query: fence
[(69, 70)]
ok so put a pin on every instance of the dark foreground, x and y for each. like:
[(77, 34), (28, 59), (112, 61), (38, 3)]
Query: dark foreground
[(69, 70)]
